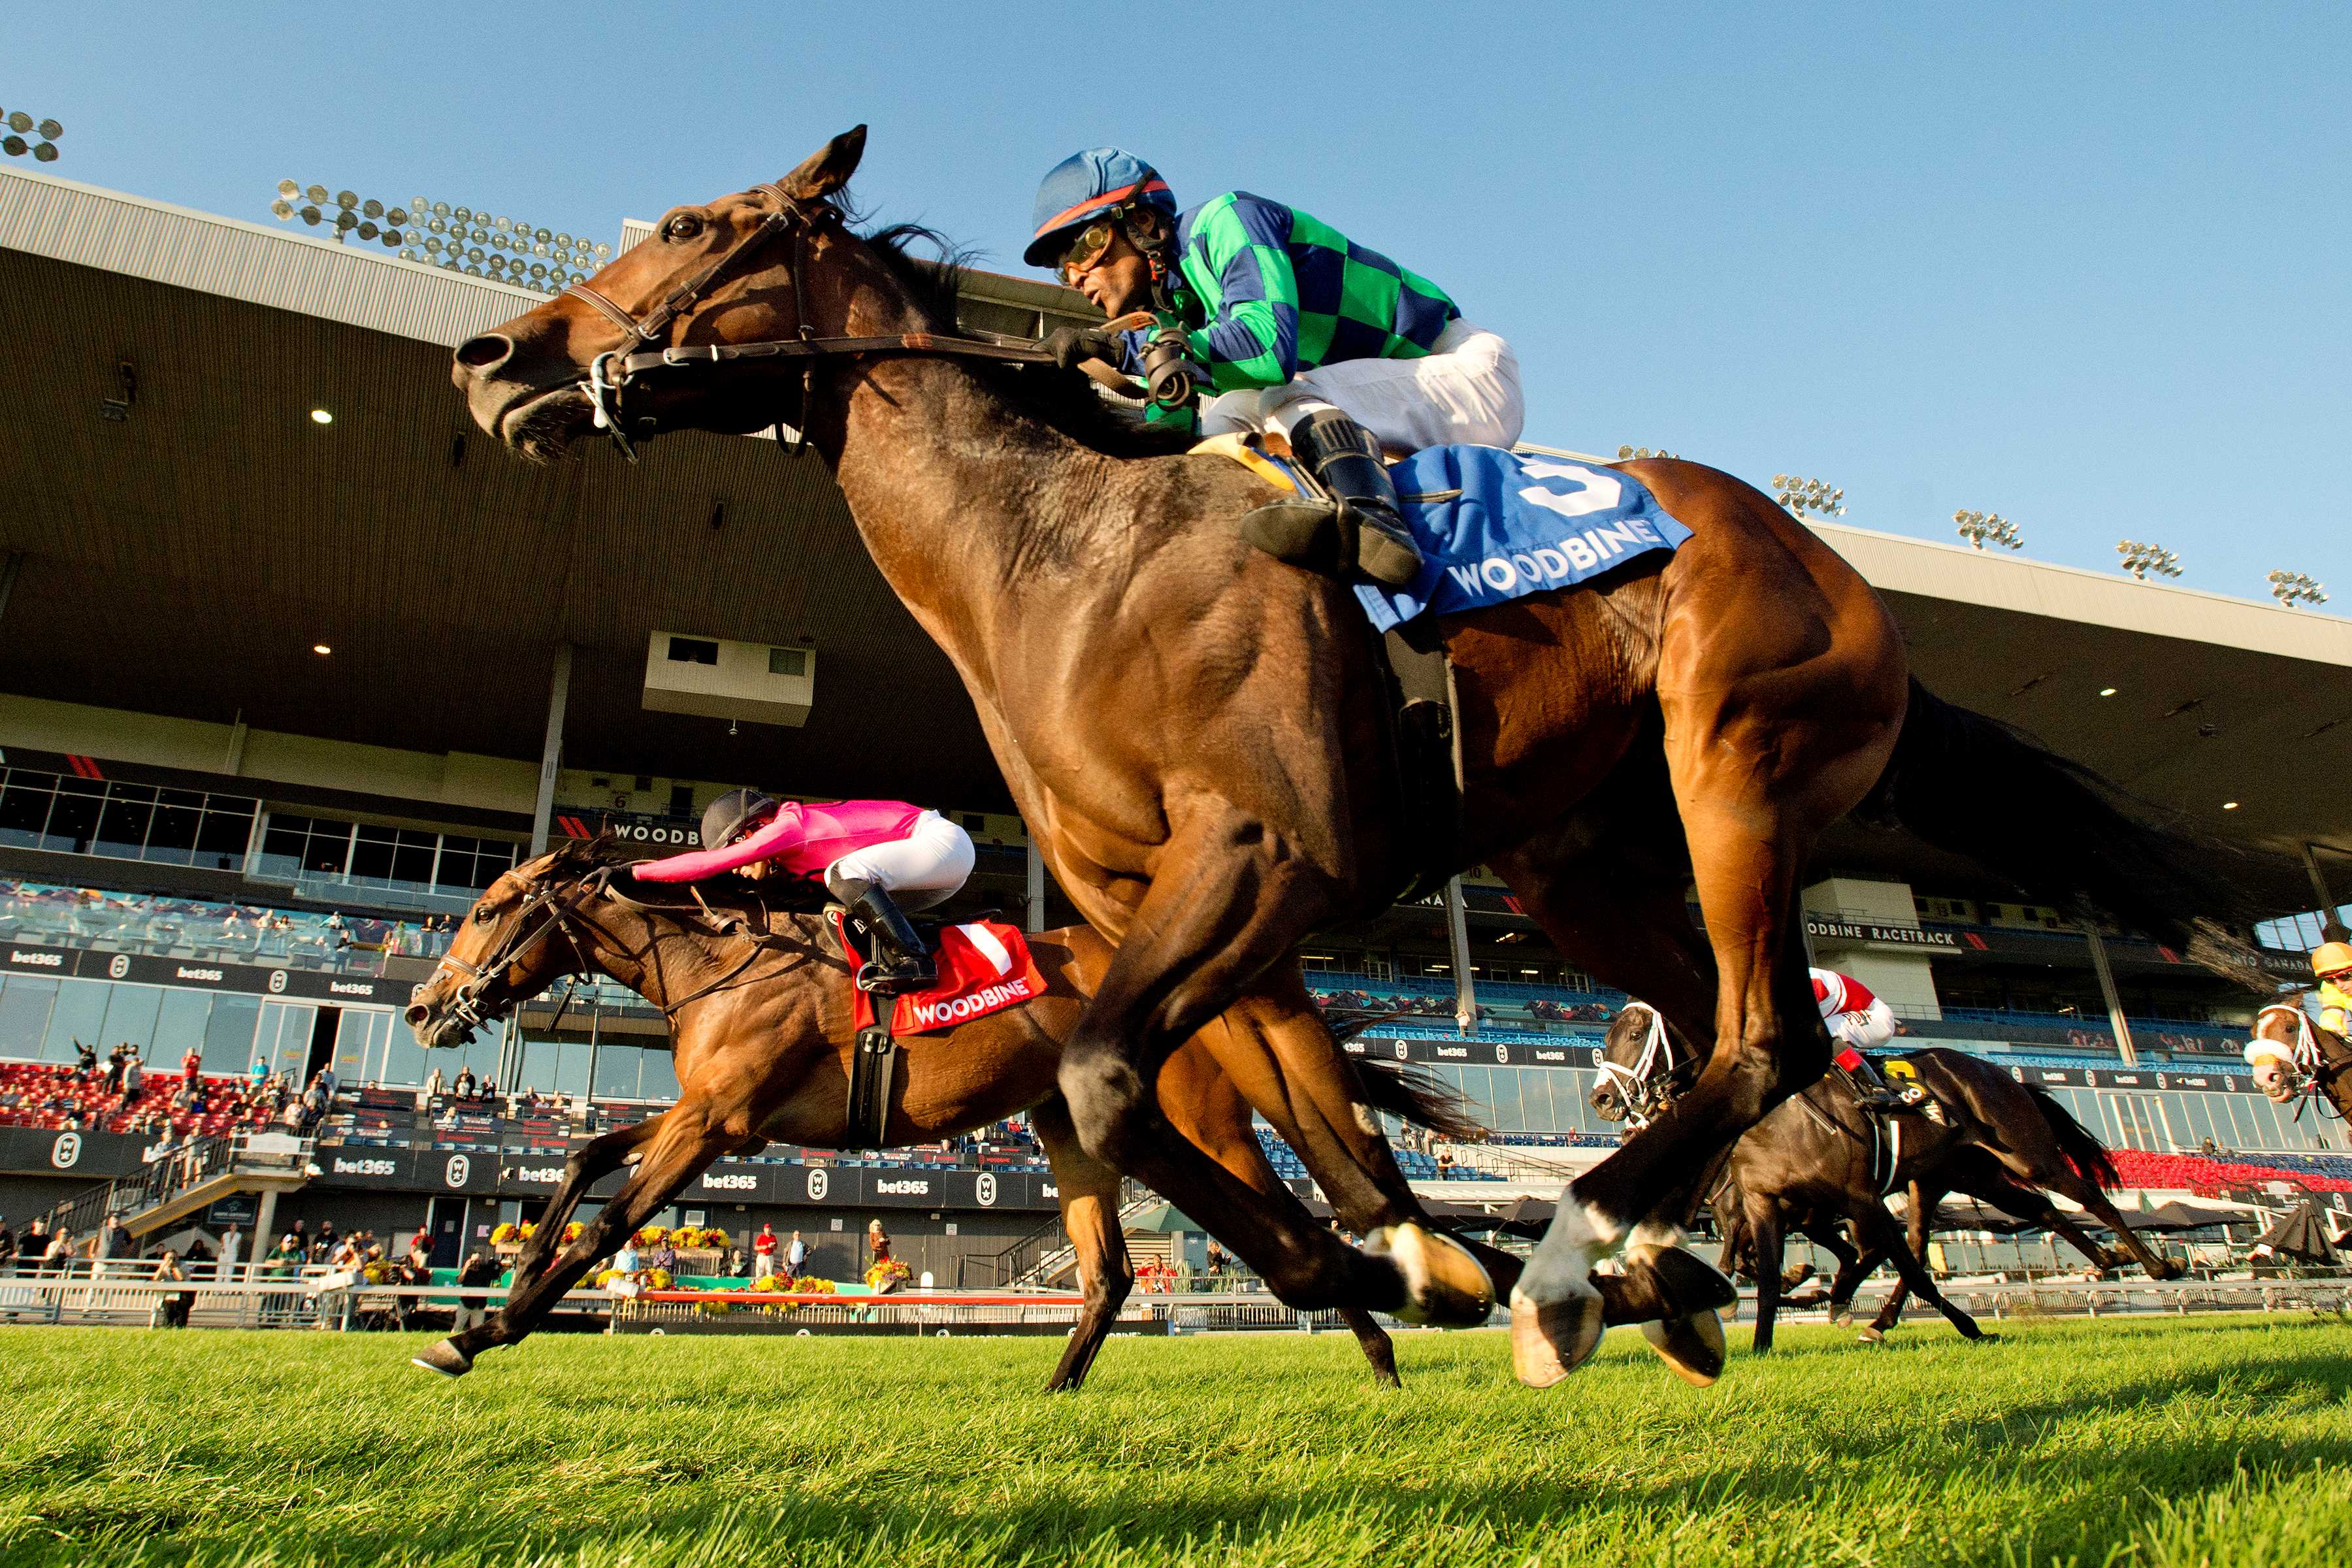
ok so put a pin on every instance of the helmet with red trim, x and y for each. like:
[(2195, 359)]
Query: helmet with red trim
[(1085, 187)]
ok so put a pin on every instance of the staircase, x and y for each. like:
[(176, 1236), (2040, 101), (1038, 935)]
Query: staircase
[(1046, 1254), (189, 1179)]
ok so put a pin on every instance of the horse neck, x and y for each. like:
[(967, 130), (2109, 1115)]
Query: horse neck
[(958, 493)]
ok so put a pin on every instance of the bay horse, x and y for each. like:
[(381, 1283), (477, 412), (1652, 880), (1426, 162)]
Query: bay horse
[(1696, 720), (2296, 1057), (1818, 1158), (756, 988)]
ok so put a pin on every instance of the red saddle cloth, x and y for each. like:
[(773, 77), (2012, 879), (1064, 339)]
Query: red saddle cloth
[(984, 967)]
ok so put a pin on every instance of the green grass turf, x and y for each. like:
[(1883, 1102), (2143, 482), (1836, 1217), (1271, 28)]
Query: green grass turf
[(2149, 1442)]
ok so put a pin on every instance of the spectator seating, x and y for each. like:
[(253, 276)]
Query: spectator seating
[(28, 1088), (2207, 1176), (108, 922)]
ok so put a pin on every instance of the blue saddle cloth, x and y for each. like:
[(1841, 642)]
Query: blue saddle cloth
[(1494, 525)]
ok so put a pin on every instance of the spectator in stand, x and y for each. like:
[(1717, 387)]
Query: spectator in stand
[(666, 1257), (796, 1256), (627, 1261), (173, 1311), (58, 1256), (763, 1251), (735, 1263), (85, 1061), (116, 1060), (257, 1076), (232, 1248), (434, 1084), (113, 1241), (478, 1272), (191, 1066), (7, 1248), (33, 1245), (134, 1078), (465, 1087), (490, 1088), (288, 1256)]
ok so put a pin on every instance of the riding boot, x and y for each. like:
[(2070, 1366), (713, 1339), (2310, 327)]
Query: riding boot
[(900, 963), (1355, 527), (1869, 1090)]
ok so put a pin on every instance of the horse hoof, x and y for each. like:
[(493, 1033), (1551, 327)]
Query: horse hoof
[(1551, 1339), (444, 1358), (1691, 1347), (1841, 1316), (1684, 1278), (1869, 1335), (1445, 1286)]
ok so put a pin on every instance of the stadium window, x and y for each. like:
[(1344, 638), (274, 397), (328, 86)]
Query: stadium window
[(693, 650), (24, 1003), (123, 821), (73, 820), (25, 807), (171, 834), (787, 661), (226, 831)]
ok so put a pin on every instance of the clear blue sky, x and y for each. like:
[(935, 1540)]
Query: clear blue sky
[(2081, 265)]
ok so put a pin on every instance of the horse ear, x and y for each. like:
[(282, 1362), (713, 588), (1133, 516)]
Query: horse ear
[(828, 169)]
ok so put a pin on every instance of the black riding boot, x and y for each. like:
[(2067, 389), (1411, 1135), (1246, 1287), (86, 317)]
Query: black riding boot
[(1870, 1089), (899, 962), (1359, 528)]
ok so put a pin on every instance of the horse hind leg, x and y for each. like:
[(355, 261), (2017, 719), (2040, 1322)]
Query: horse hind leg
[(1089, 1202)]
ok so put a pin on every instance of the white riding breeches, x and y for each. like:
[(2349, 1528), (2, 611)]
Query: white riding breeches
[(923, 868), (1467, 389), (1874, 1025)]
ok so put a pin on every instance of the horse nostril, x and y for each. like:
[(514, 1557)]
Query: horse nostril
[(417, 1015), (485, 352)]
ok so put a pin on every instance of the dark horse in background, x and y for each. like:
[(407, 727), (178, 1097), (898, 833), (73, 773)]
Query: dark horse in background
[(1198, 735), (1818, 1159), (756, 988)]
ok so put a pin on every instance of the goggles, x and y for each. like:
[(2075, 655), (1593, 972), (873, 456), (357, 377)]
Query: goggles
[(1087, 251), (2337, 977)]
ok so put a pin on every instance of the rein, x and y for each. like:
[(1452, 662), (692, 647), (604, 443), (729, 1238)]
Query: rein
[(610, 373)]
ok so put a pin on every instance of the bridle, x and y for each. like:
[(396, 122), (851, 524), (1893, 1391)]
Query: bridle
[(2319, 1071), (488, 991), (610, 372), (1655, 1078)]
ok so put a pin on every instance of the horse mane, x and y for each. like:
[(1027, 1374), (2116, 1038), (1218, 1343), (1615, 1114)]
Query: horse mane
[(1063, 400), (728, 891)]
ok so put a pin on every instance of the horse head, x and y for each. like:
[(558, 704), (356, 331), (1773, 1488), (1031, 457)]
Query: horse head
[(1643, 1066), (2293, 1055), (520, 938), (754, 268)]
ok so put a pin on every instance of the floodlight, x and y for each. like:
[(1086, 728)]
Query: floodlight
[(370, 209), (310, 216), (2292, 588), (2139, 560), (1980, 529), (282, 207), (1801, 496), (288, 188), (460, 239), (18, 124)]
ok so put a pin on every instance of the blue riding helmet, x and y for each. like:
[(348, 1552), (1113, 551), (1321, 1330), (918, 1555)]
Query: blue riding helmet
[(1085, 186)]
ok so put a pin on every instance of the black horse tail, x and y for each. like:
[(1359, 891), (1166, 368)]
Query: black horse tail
[(1419, 1097), (2061, 833), (2085, 1152)]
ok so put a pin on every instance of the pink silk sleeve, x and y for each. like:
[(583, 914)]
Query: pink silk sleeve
[(773, 839)]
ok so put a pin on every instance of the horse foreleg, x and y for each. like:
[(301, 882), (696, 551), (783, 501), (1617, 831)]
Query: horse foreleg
[(1225, 904), (1764, 1228), (588, 1164), (692, 1135), (1089, 1202), (1875, 1227), (2067, 1183), (1922, 1207), (1854, 1266), (1203, 1101)]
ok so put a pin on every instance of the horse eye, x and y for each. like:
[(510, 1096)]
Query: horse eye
[(680, 229), (484, 916)]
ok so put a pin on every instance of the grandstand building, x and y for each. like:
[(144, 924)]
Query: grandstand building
[(293, 662)]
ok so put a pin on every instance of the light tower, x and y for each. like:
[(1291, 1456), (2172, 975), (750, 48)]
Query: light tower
[(19, 123), (456, 238), (1980, 529), (1802, 496), (2292, 588), (2139, 560)]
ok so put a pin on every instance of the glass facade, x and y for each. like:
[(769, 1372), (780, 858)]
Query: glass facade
[(307, 848), (75, 815)]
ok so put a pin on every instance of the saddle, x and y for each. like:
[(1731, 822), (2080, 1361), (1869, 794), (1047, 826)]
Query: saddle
[(984, 966)]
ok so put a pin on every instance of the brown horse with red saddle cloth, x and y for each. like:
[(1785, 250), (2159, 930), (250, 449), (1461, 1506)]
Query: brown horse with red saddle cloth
[(1201, 738)]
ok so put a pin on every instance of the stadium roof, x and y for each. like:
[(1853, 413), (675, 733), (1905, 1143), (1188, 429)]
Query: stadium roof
[(185, 561)]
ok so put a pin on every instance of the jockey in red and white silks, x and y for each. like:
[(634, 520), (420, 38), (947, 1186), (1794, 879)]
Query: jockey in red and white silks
[(1857, 1019)]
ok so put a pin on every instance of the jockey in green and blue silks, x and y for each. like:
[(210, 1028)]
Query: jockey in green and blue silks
[(1293, 327)]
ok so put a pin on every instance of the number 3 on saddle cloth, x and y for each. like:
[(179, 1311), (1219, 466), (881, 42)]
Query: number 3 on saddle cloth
[(984, 967)]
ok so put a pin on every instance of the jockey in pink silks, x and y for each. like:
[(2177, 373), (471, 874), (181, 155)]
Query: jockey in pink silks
[(865, 851)]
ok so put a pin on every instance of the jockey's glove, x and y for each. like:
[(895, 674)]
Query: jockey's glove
[(1072, 346)]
